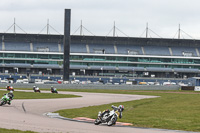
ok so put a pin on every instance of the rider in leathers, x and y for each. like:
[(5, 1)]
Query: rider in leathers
[(52, 89), (10, 95), (120, 110)]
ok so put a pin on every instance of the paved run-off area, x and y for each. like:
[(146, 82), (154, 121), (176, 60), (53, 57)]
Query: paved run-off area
[(28, 114)]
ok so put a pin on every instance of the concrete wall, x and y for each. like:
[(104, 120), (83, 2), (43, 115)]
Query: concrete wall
[(92, 86)]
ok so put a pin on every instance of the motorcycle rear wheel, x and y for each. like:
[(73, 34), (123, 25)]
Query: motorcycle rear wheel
[(112, 121)]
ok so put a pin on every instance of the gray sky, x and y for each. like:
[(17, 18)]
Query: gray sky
[(98, 16)]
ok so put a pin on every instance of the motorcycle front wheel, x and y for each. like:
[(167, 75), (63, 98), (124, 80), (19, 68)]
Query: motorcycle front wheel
[(2, 103), (97, 121)]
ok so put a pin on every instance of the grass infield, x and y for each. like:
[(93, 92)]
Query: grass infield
[(177, 110), (32, 95), (2, 130)]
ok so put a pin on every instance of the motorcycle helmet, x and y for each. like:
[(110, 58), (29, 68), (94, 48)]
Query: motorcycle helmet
[(11, 91), (121, 108)]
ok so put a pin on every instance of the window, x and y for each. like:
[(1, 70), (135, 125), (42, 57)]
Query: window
[(9, 55), (19, 61), (121, 58), (43, 56), (55, 57), (19, 55), (110, 58), (31, 56), (132, 59)]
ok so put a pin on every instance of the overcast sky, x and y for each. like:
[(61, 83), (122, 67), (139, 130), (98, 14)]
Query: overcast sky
[(98, 16)]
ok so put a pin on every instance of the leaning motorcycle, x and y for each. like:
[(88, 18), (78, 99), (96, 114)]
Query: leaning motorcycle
[(36, 89), (4, 100), (54, 90), (109, 118)]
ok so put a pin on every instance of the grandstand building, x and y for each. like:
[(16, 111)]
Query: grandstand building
[(100, 56)]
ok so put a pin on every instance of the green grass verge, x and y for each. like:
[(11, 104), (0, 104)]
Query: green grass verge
[(32, 95), (2, 130), (170, 111)]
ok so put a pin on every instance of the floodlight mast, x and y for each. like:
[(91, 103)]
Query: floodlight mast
[(66, 41)]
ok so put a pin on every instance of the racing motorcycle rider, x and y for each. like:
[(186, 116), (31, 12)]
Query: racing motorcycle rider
[(10, 95), (120, 109), (52, 88), (34, 88)]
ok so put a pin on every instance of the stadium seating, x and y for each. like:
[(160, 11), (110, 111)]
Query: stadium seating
[(157, 50), (178, 51), (77, 48), (45, 47), (102, 48), (16, 46), (125, 49)]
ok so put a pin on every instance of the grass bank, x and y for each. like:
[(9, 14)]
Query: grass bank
[(175, 110), (32, 95), (2, 130)]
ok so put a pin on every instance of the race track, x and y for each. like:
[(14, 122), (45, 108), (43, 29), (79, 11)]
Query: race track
[(29, 114)]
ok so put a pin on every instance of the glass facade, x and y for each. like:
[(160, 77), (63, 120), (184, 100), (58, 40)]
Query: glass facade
[(101, 60), (30, 56), (137, 61)]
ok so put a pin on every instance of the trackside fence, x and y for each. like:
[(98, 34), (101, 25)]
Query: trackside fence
[(95, 86)]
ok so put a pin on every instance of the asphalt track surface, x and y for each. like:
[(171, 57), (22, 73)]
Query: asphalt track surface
[(28, 114)]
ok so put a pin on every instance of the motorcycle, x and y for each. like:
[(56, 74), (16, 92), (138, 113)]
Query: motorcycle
[(54, 90), (109, 117), (4, 100), (9, 88), (36, 89)]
